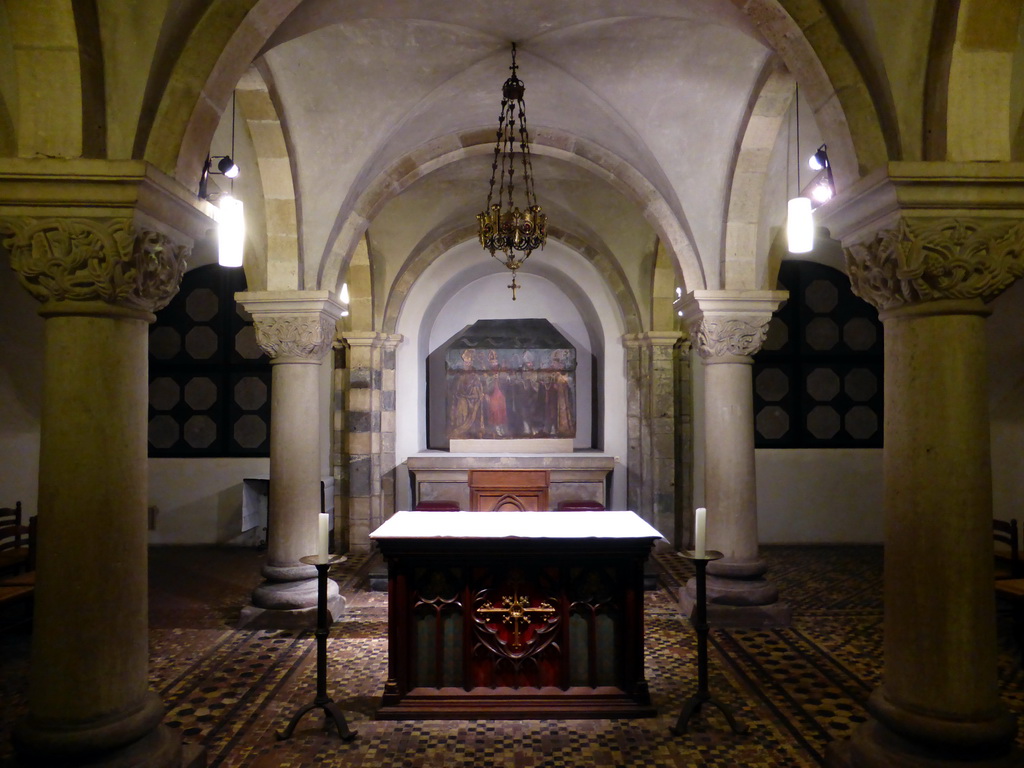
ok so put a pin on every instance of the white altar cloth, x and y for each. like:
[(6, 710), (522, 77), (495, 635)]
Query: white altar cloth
[(511, 525)]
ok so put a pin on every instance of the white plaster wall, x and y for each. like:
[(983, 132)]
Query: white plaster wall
[(577, 283), (21, 379), (819, 496), (200, 500)]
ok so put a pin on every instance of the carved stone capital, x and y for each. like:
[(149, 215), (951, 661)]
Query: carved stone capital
[(295, 337), (66, 263), (729, 337), (932, 259), (726, 325), (293, 326)]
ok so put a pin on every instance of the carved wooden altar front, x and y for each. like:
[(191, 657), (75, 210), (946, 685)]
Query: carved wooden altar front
[(515, 615)]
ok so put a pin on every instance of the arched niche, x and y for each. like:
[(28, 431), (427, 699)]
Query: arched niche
[(464, 285)]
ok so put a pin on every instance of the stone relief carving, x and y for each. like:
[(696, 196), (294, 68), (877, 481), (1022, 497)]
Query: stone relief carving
[(307, 337), (108, 260), (930, 259), (730, 336)]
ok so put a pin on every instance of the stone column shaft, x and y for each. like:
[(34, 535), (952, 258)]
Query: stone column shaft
[(89, 697), (939, 698), (294, 499), (728, 327), (296, 329), (730, 487)]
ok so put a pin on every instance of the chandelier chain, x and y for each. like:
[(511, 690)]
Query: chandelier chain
[(504, 227)]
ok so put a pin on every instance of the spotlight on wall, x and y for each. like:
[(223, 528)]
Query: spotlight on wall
[(819, 160), (227, 167), (825, 188), (822, 191)]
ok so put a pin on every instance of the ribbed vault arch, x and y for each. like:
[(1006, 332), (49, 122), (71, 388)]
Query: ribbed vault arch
[(833, 84), (743, 263), (604, 165), (436, 245)]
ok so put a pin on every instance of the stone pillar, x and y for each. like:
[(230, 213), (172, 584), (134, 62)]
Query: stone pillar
[(369, 457), (683, 417), (728, 327), (938, 702), (99, 281), (651, 425), (296, 329), (638, 497)]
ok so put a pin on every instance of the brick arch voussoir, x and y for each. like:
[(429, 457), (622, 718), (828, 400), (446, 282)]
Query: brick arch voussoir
[(860, 137), (742, 265), (422, 257), (669, 226), (218, 52)]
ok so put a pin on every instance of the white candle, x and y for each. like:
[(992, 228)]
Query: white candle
[(699, 520), (325, 536)]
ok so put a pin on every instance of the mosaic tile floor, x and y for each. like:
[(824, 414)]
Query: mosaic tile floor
[(232, 690)]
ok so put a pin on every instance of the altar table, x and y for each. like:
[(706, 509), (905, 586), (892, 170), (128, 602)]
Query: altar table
[(515, 615)]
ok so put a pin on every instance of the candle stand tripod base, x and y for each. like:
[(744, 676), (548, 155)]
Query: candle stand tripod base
[(703, 696), (322, 701)]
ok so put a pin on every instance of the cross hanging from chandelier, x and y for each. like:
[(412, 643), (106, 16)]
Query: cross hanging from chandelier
[(505, 228)]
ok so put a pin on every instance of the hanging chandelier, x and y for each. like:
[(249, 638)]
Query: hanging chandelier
[(509, 233)]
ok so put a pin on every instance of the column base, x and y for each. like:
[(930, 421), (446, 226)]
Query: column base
[(875, 746), (738, 597), (160, 748), (775, 615), (290, 595), (254, 617)]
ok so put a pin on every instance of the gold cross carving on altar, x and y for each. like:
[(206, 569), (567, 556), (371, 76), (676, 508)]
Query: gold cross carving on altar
[(515, 610)]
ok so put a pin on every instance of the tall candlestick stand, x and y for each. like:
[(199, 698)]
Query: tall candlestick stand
[(700, 623), (322, 700)]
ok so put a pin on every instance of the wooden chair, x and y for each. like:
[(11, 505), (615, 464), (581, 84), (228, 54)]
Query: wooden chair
[(1006, 537), (14, 548), (10, 515), (17, 592)]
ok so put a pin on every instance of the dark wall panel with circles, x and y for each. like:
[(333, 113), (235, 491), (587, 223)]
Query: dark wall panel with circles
[(209, 382), (818, 377)]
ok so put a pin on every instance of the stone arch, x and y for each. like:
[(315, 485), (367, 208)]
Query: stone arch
[(216, 55), (434, 246), (263, 122), (48, 119), (664, 281), (834, 86), (742, 264), (669, 225), (978, 123), (359, 276)]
